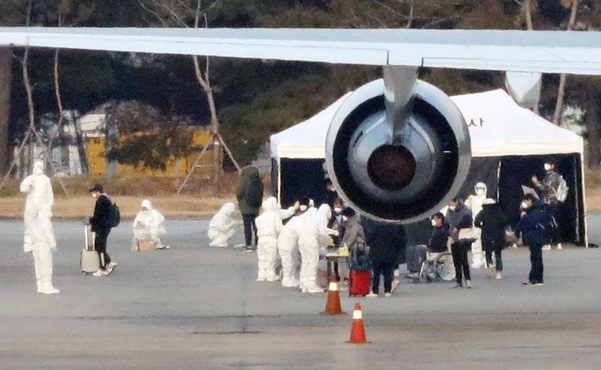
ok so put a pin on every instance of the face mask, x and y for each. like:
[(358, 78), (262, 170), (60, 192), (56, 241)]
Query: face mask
[(547, 167), (344, 218), (433, 222), (452, 208), (480, 192), (337, 210), (302, 208), (94, 195), (524, 205)]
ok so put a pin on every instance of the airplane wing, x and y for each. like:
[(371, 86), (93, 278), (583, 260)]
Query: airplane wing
[(504, 50)]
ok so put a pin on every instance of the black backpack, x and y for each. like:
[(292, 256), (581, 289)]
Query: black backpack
[(255, 193), (114, 215)]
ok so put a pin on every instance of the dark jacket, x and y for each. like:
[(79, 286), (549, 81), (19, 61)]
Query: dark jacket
[(100, 221), (248, 174), (547, 189), (438, 239), (385, 240), (460, 218), (492, 221), (528, 226)]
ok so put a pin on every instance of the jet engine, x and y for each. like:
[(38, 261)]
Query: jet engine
[(398, 153)]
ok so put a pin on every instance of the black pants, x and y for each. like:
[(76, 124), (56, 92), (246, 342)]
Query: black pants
[(462, 267), (249, 228), (100, 245), (498, 259), (536, 261), (387, 270)]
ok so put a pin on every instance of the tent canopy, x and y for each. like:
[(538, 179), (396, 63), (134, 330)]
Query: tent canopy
[(497, 126)]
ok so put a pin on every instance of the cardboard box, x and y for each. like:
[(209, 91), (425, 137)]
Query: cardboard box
[(146, 245)]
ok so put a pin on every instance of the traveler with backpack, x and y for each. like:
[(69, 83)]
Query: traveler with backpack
[(534, 227), (104, 218), (552, 190), (249, 193)]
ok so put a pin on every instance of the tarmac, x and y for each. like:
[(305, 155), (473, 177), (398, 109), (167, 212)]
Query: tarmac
[(197, 307)]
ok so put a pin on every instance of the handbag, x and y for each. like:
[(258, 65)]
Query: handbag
[(468, 234)]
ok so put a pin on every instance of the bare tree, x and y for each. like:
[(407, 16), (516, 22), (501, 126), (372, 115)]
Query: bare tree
[(563, 78), (5, 85), (175, 12)]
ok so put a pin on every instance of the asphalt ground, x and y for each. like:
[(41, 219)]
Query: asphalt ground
[(196, 307)]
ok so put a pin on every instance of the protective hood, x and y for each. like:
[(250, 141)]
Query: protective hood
[(38, 168), (270, 204), (228, 209), (146, 204)]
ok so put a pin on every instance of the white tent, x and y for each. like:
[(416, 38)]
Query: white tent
[(509, 144), (497, 126)]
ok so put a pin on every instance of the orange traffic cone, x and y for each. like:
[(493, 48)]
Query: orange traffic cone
[(357, 330), (333, 304)]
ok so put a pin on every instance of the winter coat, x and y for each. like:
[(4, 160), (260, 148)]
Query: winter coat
[(101, 220), (528, 225), (548, 188), (438, 239), (492, 221), (353, 232), (385, 240), (460, 218), (248, 174)]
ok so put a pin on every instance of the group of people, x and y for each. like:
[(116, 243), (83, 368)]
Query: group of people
[(479, 225), (39, 238)]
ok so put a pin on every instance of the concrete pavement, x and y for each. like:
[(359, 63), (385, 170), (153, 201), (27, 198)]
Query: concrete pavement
[(196, 307)]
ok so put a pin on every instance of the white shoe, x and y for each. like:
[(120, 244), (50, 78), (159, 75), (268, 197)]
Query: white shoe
[(273, 278), (48, 288), (313, 289), (547, 247), (372, 295), (499, 276), (111, 267), (388, 295), (468, 284), (100, 273), (559, 246), (477, 265), (290, 283)]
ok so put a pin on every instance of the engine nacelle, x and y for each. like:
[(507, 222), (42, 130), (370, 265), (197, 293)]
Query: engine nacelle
[(403, 179)]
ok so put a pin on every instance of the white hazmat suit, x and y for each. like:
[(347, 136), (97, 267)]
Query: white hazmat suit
[(223, 226), (269, 225), (474, 204), (288, 250), (40, 199), (44, 242), (149, 224), (314, 227)]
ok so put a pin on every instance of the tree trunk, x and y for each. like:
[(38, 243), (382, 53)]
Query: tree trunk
[(563, 78), (6, 55), (593, 128)]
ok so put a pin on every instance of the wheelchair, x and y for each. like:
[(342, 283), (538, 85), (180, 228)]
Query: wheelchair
[(436, 267)]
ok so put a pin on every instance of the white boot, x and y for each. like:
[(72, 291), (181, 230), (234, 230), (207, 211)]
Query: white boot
[(559, 246), (39, 285), (48, 288), (289, 282), (313, 288)]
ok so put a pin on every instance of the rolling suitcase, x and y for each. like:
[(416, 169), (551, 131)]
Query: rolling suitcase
[(359, 282), (90, 262)]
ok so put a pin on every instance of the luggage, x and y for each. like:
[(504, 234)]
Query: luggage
[(359, 283), (415, 257), (90, 262)]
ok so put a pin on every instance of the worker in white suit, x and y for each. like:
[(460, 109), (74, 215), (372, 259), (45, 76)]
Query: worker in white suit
[(315, 226), (43, 245), (474, 204), (223, 226), (288, 247), (149, 224), (269, 224), (40, 198)]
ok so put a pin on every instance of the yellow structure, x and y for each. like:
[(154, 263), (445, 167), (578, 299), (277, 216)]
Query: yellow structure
[(96, 152)]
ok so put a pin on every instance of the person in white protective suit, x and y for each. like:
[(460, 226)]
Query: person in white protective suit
[(44, 244), (315, 226), (474, 204), (223, 226), (269, 225), (149, 224), (288, 247), (40, 198)]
